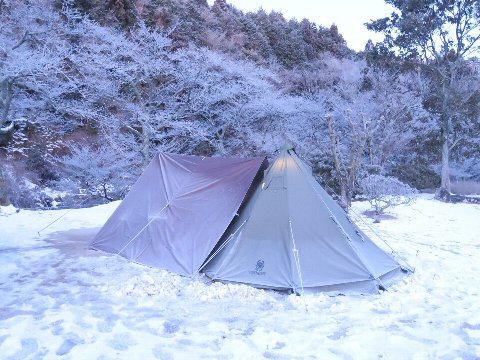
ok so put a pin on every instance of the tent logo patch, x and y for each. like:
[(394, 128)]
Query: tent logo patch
[(259, 268)]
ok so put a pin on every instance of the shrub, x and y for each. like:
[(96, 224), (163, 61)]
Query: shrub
[(23, 194), (36, 162), (103, 172), (385, 191)]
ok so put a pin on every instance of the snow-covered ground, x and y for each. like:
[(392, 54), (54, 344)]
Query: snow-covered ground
[(60, 300)]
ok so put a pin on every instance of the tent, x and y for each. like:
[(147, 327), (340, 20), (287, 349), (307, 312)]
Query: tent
[(292, 235), (177, 211), (224, 217)]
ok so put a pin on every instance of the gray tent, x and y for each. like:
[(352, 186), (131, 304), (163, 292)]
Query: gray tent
[(177, 211), (292, 235), (289, 233)]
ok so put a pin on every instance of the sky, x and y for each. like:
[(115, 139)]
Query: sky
[(348, 15)]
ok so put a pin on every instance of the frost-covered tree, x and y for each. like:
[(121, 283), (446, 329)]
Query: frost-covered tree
[(399, 116), (440, 36), (214, 96), (146, 97), (367, 121), (100, 170), (385, 191), (32, 51), (122, 83)]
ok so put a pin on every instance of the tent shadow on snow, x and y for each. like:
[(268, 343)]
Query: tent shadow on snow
[(74, 242), (235, 222)]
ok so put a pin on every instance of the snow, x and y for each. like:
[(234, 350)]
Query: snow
[(61, 300)]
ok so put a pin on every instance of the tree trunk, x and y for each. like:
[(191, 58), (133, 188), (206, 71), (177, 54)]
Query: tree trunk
[(344, 198), (3, 190), (445, 183), (145, 146), (445, 172), (6, 94), (337, 162), (347, 172)]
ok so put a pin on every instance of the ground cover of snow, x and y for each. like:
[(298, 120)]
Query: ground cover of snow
[(58, 299)]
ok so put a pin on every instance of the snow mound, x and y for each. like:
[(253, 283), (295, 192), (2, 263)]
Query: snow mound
[(161, 284), (7, 210), (216, 291)]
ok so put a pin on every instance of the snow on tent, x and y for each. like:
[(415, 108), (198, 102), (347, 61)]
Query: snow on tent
[(177, 211), (292, 235)]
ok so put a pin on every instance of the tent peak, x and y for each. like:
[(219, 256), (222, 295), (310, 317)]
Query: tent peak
[(287, 147)]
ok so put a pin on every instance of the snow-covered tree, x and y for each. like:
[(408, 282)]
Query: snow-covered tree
[(441, 37), (367, 121), (214, 96), (32, 51), (122, 83), (385, 191), (99, 170)]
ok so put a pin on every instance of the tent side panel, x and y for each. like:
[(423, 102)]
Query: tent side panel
[(146, 199), (374, 259), (177, 211), (259, 253)]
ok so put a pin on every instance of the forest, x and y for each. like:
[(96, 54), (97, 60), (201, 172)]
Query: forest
[(91, 90)]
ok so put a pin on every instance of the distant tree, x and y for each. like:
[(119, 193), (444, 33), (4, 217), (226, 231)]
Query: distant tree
[(398, 113), (347, 158), (368, 116), (256, 46), (440, 35)]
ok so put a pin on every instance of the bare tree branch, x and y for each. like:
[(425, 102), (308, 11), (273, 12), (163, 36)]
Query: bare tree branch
[(22, 40)]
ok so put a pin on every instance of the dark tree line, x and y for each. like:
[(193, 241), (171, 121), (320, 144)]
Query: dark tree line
[(259, 36)]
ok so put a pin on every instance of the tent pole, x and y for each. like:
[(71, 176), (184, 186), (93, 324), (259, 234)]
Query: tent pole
[(142, 229), (296, 256), (297, 264), (222, 246)]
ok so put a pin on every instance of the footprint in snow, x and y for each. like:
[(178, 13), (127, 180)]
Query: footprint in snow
[(121, 342), (171, 326), (338, 334), (57, 328), (107, 324), (162, 354), (69, 343), (29, 346)]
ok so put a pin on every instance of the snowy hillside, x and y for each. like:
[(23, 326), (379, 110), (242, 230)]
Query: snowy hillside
[(60, 300)]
